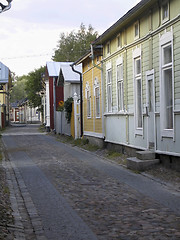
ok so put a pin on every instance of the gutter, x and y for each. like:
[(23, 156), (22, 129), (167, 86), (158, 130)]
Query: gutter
[(125, 19), (81, 104)]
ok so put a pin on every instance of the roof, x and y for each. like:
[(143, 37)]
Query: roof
[(68, 74), (4, 73), (124, 20), (54, 68)]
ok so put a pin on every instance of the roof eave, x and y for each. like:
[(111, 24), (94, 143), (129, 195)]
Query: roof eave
[(124, 20)]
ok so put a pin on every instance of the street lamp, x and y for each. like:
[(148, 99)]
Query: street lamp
[(3, 7)]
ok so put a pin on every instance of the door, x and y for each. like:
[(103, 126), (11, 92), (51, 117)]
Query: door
[(150, 110)]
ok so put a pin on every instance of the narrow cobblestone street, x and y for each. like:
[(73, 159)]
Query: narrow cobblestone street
[(71, 194)]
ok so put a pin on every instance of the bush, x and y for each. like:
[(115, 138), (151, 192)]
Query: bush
[(68, 108)]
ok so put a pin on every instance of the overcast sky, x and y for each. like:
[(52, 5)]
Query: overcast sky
[(30, 30)]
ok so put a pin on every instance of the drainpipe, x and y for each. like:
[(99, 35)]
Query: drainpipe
[(92, 56), (81, 103), (54, 95)]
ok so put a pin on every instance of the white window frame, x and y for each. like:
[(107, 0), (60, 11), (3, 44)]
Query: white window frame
[(136, 24), (108, 48), (109, 87), (120, 82), (119, 41), (162, 12), (137, 77), (97, 98), (166, 40), (88, 99)]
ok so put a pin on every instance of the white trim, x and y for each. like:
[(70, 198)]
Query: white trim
[(108, 69), (108, 65), (108, 53), (166, 39), (97, 86), (136, 53), (119, 62), (138, 24), (125, 144), (151, 73), (93, 134), (120, 37), (146, 37), (168, 153), (167, 18)]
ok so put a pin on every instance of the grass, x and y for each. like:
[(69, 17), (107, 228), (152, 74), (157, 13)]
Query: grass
[(42, 128), (113, 154), (84, 143)]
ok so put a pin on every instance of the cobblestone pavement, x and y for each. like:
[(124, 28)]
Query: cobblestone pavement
[(112, 209)]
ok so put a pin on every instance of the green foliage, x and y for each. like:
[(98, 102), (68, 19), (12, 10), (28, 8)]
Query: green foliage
[(18, 91), (73, 45), (68, 108), (34, 86)]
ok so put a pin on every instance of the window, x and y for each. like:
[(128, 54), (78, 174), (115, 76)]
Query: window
[(119, 41), (108, 48), (167, 85), (109, 90), (88, 97), (88, 104), (138, 92), (97, 101), (97, 97), (165, 11), (138, 114), (120, 87), (136, 30)]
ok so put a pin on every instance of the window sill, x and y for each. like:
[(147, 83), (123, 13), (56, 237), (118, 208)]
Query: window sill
[(167, 133), (139, 132)]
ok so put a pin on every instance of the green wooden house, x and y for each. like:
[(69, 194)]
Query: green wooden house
[(141, 79)]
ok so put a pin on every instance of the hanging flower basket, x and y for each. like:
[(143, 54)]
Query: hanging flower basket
[(60, 106)]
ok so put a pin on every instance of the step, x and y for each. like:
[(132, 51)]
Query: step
[(145, 155), (136, 164)]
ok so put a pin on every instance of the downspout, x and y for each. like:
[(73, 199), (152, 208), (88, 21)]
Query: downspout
[(92, 56), (81, 103), (54, 94)]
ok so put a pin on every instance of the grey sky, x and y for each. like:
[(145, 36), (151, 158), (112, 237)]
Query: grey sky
[(30, 29)]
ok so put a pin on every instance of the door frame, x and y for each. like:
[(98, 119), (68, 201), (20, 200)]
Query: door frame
[(150, 74)]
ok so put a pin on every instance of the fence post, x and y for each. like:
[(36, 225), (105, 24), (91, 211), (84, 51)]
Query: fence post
[(75, 115)]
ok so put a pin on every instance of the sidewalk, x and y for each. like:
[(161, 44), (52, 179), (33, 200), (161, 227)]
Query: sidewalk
[(20, 220)]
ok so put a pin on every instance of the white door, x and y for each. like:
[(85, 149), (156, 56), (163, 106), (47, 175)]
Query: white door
[(150, 110)]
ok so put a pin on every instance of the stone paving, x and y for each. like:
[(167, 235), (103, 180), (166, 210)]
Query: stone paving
[(27, 224), (113, 210)]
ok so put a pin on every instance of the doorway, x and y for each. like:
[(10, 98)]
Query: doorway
[(150, 103)]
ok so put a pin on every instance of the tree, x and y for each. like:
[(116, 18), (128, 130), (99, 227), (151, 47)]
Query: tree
[(34, 86), (18, 90), (73, 45)]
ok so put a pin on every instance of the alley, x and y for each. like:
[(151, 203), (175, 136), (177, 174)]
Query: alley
[(71, 194)]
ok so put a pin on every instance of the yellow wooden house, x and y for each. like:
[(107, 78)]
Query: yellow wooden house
[(92, 96), (5, 85)]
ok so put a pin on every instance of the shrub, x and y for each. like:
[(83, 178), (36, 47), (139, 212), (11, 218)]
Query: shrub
[(68, 108)]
